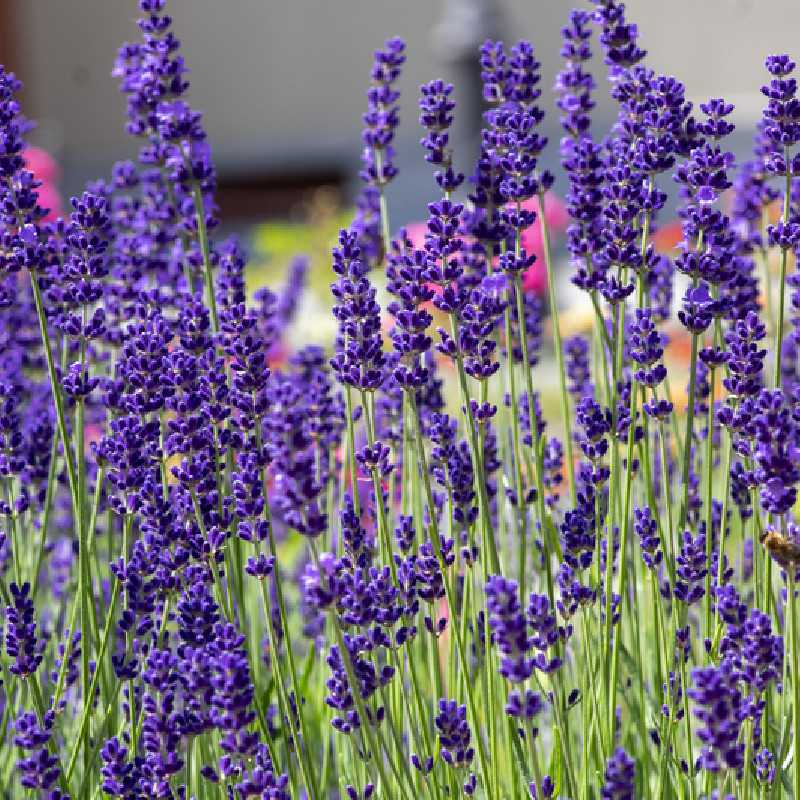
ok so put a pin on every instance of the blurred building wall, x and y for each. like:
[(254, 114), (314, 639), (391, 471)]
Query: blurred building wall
[(281, 82)]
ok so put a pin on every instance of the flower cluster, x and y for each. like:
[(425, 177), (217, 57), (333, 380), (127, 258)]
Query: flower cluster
[(224, 558)]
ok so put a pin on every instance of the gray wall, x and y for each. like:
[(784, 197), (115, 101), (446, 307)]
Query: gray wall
[(282, 82)]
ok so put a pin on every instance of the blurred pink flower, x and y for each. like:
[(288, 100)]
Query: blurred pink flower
[(555, 215), (45, 169), (416, 233)]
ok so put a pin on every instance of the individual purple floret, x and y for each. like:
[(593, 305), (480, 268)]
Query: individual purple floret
[(525, 706), (548, 788), (354, 794), (454, 734), (698, 309), (620, 777)]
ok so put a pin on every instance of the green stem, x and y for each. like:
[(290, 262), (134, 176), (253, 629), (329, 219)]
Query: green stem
[(383, 528), (56, 390), (551, 293), (365, 727), (38, 702), (687, 720), (795, 666), (88, 703), (202, 236), (709, 493), (781, 286), (519, 488), (532, 421), (300, 746), (476, 454), (689, 436), (455, 630), (726, 475)]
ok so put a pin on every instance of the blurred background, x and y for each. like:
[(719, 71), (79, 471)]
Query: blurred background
[(281, 84)]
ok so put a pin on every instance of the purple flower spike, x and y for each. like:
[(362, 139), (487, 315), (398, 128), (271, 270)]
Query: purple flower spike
[(509, 629), (781, 120), (382, 118), (22, 643), (718, 707), (436, 106), (377, 165), (359, 360), (692, 568)]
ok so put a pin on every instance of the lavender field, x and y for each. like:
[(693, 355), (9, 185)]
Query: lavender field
[(388, 566)]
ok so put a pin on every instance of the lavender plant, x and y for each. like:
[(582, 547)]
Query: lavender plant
[(380, 571)]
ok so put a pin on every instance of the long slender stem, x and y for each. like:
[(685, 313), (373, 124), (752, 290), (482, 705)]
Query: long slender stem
[(687, 721), (476, 453), (205, 252), (55, 387), (532, 421), (88, 704), (795, 666), (689, 436), (787, 191), (460, 646), (519, 489), (562, 375), (300, 745), (709, 465)]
